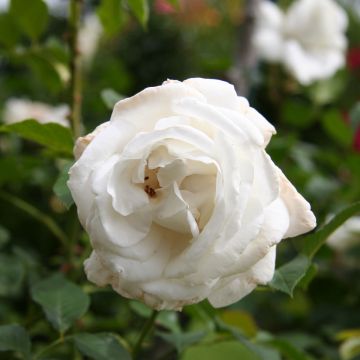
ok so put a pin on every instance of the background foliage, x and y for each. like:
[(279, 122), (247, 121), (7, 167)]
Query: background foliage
[(48, 310)]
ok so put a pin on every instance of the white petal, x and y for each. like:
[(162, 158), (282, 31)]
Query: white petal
[(122, 230), (262, 124), (108, 142), (266, 182), (234, 259), (232, 290), (127, 197), (144, 109), (189, 107), (96, 272), (217, 92), (174, 213), (302, 219), (176, 294)]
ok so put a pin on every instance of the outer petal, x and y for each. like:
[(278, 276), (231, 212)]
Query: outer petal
[(102, 147), (217, 92), (263, 125), (96, 272), (236, 287), (302, 218), (144, 109)]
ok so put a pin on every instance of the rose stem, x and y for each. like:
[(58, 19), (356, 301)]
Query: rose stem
[(145, 330), (75, 67)]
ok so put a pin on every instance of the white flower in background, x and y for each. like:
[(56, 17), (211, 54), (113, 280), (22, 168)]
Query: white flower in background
[(346, 236), (89, 37), (180, 199), (309, 38), (16, 110)]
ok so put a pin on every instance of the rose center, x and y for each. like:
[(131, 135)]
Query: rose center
[(151, 182)]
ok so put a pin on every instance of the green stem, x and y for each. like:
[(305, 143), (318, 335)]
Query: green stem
[(38, 215), (75, 67), (145, 330), (59, 341)]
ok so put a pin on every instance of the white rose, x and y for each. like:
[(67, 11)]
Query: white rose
[(180, 199), (309, 39), (16, 110), (346, 236), (89, 37)]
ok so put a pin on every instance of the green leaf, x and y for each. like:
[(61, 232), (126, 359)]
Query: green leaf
[(110, 97), (53, 136), (62, 301), (140, 9), (101, 346), (229, 350), (350, 348), (12, 274), (308, 277), (289, 275), (15, 338), (287, 349), (31, 19), (241, 320), (259, 352), (337, 129), (182, 340), (111, 15), (298, 114), (9, 34), (315, 241), (44, 69), (60, 187)]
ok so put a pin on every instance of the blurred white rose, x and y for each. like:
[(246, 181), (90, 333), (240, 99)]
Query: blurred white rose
[(180, 199), (346, 236), (89, 37), (16, 110), (309, 38)]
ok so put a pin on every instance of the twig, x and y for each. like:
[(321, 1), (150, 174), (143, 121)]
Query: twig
[(245, 57), (38, 215), (145, 330), (75, 67)]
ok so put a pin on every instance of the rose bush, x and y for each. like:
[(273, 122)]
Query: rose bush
[(309, 38), (180, 199)]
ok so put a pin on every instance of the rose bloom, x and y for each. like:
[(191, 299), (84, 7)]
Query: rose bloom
[(180, 199), (346, 236), (309, 38), (90, 35), (16, 110)]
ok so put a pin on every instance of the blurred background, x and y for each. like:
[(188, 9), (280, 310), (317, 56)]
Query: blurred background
[(123, 51)]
